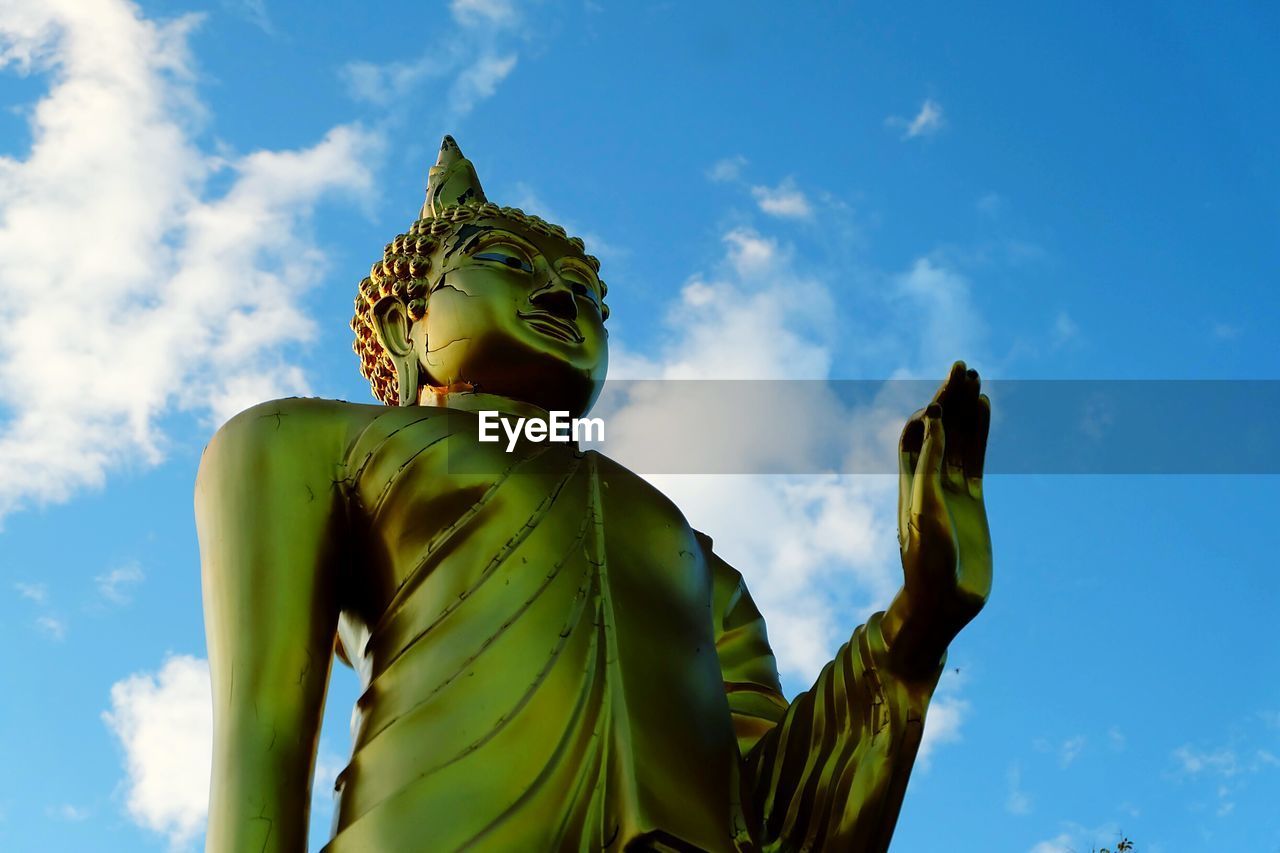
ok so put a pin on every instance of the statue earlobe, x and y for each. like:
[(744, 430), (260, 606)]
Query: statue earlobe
[(391, 324)]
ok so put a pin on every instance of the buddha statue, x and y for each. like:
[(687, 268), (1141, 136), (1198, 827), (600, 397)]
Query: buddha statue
[(550, 657)]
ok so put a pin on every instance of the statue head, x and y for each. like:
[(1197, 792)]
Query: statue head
[(481, 298)]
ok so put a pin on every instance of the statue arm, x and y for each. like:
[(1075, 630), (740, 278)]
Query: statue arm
[(270, 521), (828, 770), (831, 770)]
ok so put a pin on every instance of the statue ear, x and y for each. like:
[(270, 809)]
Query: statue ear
[(391, 324)]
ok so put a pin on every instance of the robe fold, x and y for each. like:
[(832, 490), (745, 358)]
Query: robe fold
[(552, 659)]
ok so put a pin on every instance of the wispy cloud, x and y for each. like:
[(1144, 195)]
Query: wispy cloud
[(1222, 762), (942, 725), (184, 299), (52, 626), (727, 169), (1070, 750), (255, 12), (1065, 329), (68, 812), (926, 122), (48, 623), (1061, 843), (1018, 801), (114, 585), (1076, 838), (501, 13), (479, 81), (1224, 331), (990, 203), (937, 300), (1222, 771), (476, 55), (786, 200), (36, 592)]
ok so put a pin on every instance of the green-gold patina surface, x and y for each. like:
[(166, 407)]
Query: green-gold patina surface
[(551, 657)]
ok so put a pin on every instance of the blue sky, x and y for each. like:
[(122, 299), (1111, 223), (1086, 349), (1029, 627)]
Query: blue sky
[(189, 193)]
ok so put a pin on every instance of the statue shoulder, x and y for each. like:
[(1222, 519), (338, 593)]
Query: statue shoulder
[(290, 432)]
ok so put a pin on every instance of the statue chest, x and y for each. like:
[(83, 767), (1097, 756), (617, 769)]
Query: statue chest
[(532, 628), (443, 518)]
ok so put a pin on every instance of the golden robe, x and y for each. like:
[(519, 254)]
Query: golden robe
[(553, 660)]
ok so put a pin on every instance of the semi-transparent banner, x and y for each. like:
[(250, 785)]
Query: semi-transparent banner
[(853, 426)]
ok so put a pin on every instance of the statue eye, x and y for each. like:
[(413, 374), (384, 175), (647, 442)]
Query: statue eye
[(510, 260), (579, 283), (580, 289)]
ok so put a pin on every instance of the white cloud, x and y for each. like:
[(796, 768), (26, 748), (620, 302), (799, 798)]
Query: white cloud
[(1071, 749), (474, 53), (727, 169), (68, 812), (52, 626), (818, 552), (1018, 800), (936, 301), (1224, 331), (941, 725), (927, 121), (325, 777), (114, 585), (164, 722), (255, 12), (717, 328), (1077, 838), (1060, 843), (500, 13), (1064, 329), (1220, 762), (786, 200), (990, 203), (1225, 769), (479, 82), (167, 296), (36, 592)]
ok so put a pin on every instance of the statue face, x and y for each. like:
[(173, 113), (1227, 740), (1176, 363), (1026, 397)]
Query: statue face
[(517, 314)]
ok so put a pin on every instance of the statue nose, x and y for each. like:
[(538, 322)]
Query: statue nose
[(555, 297)]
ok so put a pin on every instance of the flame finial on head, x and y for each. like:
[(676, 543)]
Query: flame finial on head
[(451, 181)]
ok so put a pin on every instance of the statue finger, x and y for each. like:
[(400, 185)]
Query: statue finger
[(954, 381), (909, 446), (978, 455), (926, 496), (966, 432), (912, 435)]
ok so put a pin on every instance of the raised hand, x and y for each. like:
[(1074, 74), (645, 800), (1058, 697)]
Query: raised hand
[(942, 522)]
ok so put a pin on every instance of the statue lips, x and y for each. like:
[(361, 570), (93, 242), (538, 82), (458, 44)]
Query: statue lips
[(552, 325)]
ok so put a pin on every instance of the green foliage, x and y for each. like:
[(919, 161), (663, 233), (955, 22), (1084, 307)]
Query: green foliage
[(1124, 845)]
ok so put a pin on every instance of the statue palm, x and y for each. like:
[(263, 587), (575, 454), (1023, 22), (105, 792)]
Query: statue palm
[(942, 522)]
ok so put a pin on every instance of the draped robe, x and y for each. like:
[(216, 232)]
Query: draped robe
[(552, 659)]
